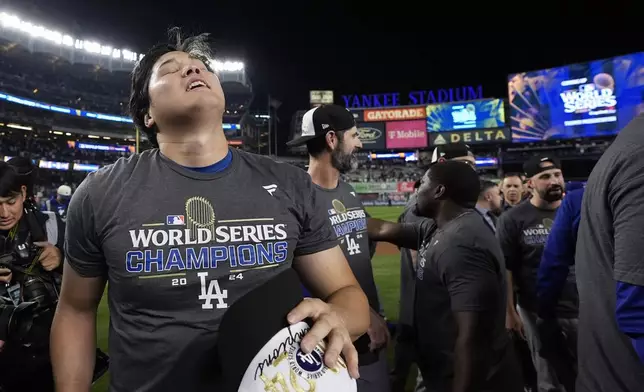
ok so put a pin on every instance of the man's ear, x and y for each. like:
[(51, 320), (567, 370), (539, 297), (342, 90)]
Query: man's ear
[(148, 120), (439, 192), (331, 139)]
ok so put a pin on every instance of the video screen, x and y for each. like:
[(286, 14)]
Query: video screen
[(591, 99), (480, 114)]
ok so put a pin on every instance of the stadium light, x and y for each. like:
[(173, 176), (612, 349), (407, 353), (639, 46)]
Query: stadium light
[(227, 66), (9, 21)]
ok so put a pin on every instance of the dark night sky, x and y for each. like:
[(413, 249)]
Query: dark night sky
[(363, 47)]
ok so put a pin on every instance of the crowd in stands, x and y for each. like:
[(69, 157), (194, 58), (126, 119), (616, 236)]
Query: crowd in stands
[(51, 79)]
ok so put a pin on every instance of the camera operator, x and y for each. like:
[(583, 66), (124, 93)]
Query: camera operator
[(31, 244)]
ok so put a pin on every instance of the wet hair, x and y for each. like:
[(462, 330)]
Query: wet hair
[(461, 182), (318, 145), (10, 181), (197, 46)]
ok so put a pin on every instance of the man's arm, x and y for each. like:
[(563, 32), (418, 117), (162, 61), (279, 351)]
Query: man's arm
[(508, 239), (403, 235), (558, 256), (328, 275), (73, 333), (475, 290), (628, 220)]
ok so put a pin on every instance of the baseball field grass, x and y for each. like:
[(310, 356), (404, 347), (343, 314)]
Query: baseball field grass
[(386, 270)]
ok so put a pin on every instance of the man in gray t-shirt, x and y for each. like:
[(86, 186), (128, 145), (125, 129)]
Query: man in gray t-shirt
[(181, 233), (610, 269), (331, 138)]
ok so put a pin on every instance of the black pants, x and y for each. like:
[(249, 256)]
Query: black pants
[(22, 371), (503, 376), (404, 356)]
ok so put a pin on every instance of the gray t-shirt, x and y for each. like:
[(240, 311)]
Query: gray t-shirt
[(523, 232), (610, 244), (178, 248), (460, 269), (349, 222)]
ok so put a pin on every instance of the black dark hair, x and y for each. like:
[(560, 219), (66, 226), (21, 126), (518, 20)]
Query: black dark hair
[(318, 145), (514, 174), (461, 182), (197, 46), (10, 184), (26, 171), (485, 185), (416, 184)]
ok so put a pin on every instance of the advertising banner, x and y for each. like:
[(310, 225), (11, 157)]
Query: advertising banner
[(406, 134), (374, 187), (596, 98), (396, 114), (481, 114), (480, 136), (372, 135), (406, 187)]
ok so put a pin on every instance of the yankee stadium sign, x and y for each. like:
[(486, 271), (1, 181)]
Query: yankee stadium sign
[(422, 97)]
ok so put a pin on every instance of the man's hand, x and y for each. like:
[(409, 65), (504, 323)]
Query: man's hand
[(5, 275), (378, 331), (514, 323), (327, 324), (51, 257)]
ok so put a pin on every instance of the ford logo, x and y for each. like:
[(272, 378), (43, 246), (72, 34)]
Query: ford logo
[(369, 134)]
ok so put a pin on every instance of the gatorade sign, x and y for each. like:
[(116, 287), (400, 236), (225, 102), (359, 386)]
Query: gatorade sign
[(481, 136)]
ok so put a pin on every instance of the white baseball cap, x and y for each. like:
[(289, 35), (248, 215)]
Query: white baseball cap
[(282, 364), (257, 348), (64, 190)]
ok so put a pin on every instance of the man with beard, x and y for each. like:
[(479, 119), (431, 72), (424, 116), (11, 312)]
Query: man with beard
[(523, 232), (512, 188), (490, 203), (331, 138), (460, 293), (184, 232), (408, 257)]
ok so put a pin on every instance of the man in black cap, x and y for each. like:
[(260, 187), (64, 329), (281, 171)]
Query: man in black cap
[(449, 152), (523, 232), (460, 288), (331, 138)]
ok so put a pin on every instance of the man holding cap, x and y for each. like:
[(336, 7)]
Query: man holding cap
[(184, 232), (523, 232), (331, 138)]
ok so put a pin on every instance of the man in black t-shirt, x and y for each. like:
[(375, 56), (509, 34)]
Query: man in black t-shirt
[(460, 295), (331, 138), (522, 232), (183, 233)]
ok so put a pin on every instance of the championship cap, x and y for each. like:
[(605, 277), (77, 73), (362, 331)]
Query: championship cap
[(538, 164), (322, 119), (450, 151), (259, 351), (64, 191)]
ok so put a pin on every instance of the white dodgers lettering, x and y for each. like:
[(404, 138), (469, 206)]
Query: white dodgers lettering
[(213, 292)]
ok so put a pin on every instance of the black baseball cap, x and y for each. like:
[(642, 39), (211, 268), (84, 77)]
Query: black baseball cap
[(321, 120), (538, 164), (256, 342), (451, 151)]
